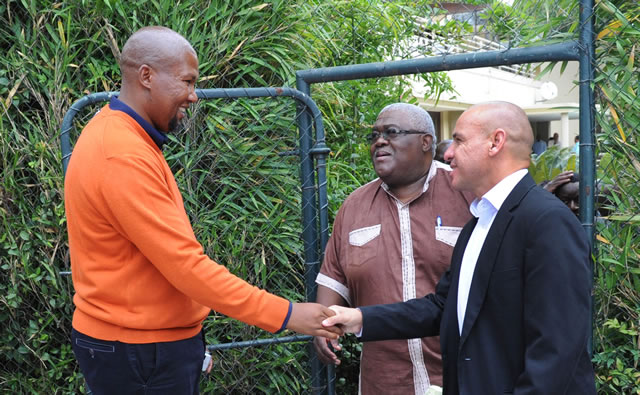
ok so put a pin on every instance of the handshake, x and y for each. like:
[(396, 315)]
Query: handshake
[(327, 324)]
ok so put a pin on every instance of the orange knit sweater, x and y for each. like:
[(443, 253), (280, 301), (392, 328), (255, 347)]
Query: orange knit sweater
[(139, 273)]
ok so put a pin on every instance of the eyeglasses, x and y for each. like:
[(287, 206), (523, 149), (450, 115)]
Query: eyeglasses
[(389, 134)]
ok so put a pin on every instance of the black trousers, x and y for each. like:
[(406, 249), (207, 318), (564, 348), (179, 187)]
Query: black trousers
[(112, 367)]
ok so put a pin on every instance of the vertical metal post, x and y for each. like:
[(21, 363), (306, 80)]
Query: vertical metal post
[(309, 217), (321, 151), (587, 144), (309, 230)]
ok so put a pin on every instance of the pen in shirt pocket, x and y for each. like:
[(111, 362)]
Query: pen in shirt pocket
[(438, 221)]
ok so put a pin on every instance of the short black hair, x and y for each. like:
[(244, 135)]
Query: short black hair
[(575, 177)]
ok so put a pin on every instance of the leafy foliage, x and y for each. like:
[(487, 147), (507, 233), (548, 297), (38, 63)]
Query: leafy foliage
[(552, 162), (617, 342), (247, 217), (239, 183), (231, 162)]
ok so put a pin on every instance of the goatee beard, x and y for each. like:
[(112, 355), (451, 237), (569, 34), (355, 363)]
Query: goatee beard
[(173, 125)]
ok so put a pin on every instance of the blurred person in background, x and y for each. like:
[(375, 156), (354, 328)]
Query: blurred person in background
[(440, 149)]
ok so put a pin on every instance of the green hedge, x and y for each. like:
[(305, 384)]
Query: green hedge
[(53, 53), (242, 195)]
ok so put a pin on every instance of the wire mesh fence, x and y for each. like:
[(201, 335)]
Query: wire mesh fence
[(247, 166)]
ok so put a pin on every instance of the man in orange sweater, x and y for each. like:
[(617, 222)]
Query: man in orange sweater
[(143, 283)]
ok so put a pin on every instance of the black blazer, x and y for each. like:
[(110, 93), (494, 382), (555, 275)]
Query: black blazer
[(527, 321)]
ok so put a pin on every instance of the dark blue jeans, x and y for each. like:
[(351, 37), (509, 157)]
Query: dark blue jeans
[(112, 367)]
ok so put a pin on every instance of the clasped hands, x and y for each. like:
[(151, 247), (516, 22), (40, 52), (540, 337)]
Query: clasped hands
[(347, 320), (326, 324)]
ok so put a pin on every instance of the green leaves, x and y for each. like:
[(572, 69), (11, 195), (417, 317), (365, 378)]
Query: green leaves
[(242, 196), (618, 265), (552, 162), (241, 191)]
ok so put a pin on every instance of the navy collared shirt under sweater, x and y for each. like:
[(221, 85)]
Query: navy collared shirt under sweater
[(158, 137)]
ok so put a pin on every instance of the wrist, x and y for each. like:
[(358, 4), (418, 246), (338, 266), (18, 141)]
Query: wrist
[(358, 327)]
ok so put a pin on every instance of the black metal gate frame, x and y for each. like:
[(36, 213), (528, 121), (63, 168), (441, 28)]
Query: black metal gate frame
[(305, 105), (581, 50)]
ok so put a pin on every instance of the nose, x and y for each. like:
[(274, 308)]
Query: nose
[(381, 140), (193, 97), (448, 154)]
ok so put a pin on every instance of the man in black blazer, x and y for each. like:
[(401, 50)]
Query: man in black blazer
[(513, 310)]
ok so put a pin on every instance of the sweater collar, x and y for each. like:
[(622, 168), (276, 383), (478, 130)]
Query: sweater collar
[(158, 137)]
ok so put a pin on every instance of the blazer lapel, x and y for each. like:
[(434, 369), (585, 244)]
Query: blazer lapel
[(458, 250), (489, 253)]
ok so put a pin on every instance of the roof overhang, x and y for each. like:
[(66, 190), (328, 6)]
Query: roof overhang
[(536, 113)]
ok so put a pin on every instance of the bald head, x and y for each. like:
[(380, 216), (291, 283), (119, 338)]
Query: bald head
[(159, 74), (490, 141), (510, 118), (156, 46)]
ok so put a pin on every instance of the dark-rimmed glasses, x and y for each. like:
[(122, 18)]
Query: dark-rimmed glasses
[(389, 134)]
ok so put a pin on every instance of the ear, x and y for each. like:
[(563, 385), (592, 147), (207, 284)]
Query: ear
[(498, 138), (427, 143), (145, 75)]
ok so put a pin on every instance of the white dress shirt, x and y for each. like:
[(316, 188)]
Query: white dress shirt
[(485, 210)]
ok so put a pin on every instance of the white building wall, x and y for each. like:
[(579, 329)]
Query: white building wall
[(487, 84)]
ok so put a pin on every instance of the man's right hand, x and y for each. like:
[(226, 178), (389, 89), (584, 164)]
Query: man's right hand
[(325, 354), (307, 318), (558, 181), (348, 319)]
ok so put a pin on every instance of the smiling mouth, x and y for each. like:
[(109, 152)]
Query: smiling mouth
[(379, 154)]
